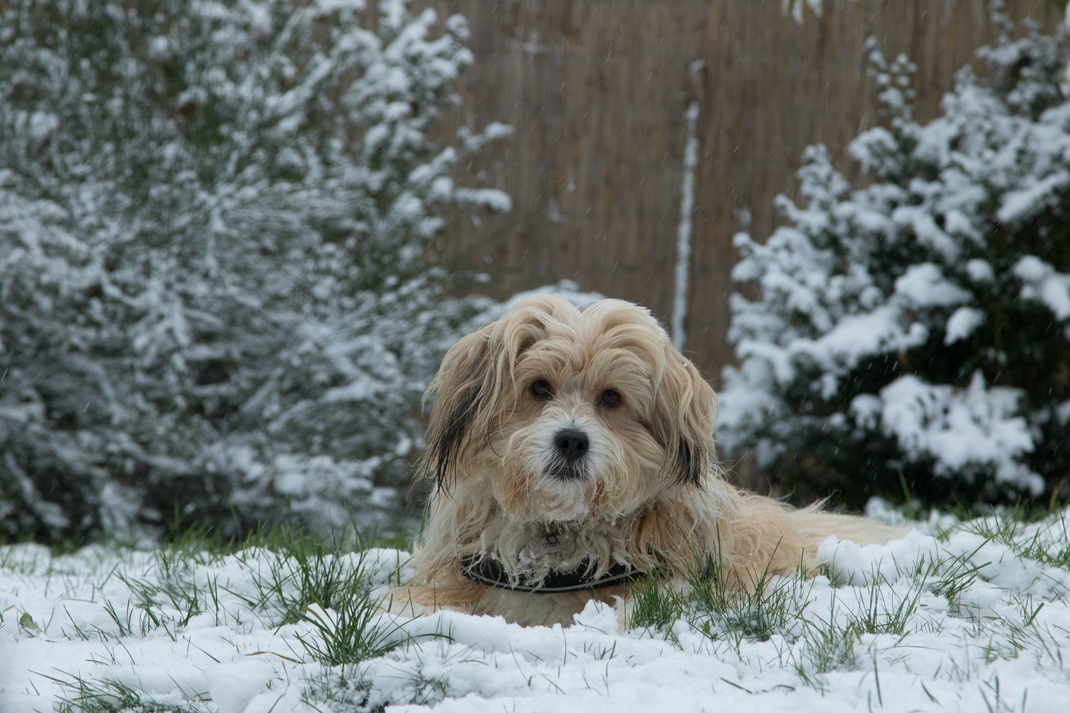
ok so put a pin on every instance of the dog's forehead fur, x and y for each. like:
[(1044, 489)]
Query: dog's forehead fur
[(560, 317), (597, 343)]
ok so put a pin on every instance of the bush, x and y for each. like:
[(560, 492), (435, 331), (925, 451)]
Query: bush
[(213, 298), (915, 333)]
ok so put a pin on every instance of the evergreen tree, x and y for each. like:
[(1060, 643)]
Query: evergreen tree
[(915, 333), (213, 293)]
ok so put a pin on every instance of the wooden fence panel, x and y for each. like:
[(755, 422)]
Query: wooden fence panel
[(596, 91)]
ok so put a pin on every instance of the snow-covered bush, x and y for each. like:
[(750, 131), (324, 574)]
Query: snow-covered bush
[(214, 302), (914, 333)]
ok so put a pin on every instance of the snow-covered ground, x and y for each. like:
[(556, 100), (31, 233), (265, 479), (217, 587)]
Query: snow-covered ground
[(976, 620)]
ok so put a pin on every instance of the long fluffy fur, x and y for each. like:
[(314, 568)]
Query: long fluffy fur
[(648, 493)]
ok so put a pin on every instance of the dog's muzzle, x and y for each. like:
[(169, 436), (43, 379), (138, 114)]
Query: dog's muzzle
[(571, 446)]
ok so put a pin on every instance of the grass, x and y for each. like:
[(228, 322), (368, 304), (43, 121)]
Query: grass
[(91, 696), (294, 578), (317, 596), (722, 609), (825, 626)]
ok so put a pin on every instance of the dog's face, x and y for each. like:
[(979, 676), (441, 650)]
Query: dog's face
[(563, 415)]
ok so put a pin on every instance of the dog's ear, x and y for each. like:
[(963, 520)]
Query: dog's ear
[(468, 390), (458, 389), (685, 405)]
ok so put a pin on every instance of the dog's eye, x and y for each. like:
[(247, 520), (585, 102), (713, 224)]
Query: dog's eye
[(610, 398), (541, 390)]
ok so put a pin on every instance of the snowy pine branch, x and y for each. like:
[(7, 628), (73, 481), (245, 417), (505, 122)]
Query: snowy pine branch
[(213, 293), (916, 332)]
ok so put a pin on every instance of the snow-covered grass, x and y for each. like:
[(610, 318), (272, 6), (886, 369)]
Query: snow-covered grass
[(968, 616)]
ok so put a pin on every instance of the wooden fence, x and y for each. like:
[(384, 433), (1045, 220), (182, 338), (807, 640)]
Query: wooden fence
[(597, 90)]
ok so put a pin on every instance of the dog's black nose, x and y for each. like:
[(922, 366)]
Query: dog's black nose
[(572, 443)]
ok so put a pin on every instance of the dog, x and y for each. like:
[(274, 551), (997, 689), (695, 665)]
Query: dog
[(571, 457)]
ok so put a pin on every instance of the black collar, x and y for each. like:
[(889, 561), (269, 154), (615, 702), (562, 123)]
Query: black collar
[(486, 570)]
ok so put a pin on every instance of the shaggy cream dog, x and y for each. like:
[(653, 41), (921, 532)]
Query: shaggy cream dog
[(572, 457)]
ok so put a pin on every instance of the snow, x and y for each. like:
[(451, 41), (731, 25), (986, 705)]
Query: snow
[(962, 323), (684, 238), (980, 271), (684, 230), (924, 285), (957, 624), (1022, 204), (795, 8), (1042, 283), (919, 221), (958, 428), (490, 198)]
